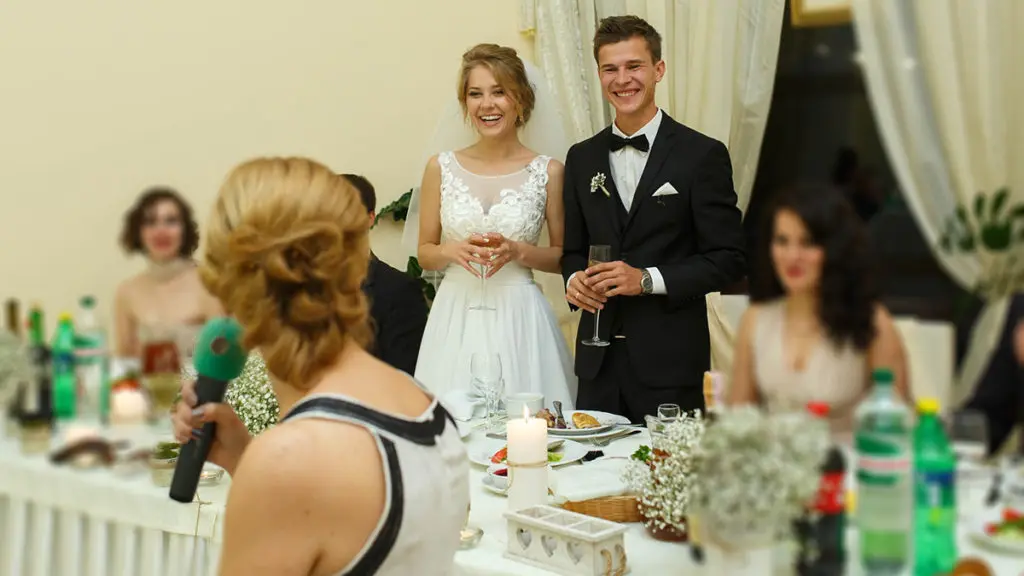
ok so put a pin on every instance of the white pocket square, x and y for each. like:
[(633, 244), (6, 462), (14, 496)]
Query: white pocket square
[(666, 190)]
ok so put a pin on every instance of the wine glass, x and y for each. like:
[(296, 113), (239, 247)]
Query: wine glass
[(485, 372), (598, 253), (669, 412), (482, 303)]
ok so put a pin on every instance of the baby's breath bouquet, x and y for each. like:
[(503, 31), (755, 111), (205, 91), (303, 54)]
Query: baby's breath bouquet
[(251, 396), (15, 365), (756, 472), (663, 478)]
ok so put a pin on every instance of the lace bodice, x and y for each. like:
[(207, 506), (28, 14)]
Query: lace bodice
[(510, 204)]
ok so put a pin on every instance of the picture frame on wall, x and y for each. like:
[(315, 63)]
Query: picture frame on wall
[(812, 13)]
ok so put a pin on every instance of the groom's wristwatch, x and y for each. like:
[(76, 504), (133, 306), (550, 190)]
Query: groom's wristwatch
[(646, 283)]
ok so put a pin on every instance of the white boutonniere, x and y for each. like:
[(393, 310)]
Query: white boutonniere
[(597, 183)]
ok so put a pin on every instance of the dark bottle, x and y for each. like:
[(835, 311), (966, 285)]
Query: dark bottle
[(35, 412), (821, 533)]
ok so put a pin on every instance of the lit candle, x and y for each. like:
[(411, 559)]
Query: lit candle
[(527, 458)]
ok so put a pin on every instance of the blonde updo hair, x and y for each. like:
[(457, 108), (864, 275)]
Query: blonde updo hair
[(508, 69), (286, 254)]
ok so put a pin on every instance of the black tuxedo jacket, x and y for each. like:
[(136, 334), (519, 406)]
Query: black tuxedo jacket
[(694, 238), (398, 313)]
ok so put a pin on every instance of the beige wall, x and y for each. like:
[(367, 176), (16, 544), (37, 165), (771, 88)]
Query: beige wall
[(100, 99)]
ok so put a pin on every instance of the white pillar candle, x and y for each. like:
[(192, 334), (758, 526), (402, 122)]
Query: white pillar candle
[(527, 460)]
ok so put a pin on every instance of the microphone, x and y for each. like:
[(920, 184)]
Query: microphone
[(219, 358)]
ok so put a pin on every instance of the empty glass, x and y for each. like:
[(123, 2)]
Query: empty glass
[(669, 412), (485, 374)]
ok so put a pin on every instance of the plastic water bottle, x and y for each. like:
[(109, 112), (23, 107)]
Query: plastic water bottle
[(65, 381), (934, 494), (91, 363), (884, 478)]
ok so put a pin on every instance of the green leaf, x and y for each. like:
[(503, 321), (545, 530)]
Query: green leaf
[(397, 210), (998, 201), (979, 206)]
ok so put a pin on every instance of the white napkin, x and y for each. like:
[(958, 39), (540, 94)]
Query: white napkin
[(462, 404), (597, 479)]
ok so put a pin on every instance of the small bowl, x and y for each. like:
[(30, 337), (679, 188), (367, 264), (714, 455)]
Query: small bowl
[(498, 481), (162, 470)]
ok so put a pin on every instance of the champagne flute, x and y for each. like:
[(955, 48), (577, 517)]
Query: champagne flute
[(482, 303), (598, 253)]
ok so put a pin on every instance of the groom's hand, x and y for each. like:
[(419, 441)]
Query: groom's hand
[(580, 295), (614, 279)]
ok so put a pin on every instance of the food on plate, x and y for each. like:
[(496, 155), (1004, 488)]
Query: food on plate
[(971, 567), (1011, 527), (547, 415), (502, 455), (582, 421), (501, 472)]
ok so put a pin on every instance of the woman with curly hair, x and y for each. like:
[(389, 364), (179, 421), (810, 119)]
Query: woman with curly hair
[(167, 295), (815, 329), (366, 473)]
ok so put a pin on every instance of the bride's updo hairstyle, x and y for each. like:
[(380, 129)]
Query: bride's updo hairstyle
[(508, 69), (286, 254)]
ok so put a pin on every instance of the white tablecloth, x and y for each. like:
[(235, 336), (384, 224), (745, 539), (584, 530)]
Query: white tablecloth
[(59, 521)]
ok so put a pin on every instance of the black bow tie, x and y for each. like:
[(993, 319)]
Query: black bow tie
[(638, 142)]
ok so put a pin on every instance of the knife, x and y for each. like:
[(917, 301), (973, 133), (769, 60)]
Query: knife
[(559, 419)]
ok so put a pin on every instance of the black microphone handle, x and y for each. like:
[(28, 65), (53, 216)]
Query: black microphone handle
[(192, 456)]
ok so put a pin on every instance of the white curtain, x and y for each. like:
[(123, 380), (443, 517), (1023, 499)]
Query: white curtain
[(944, 81), (721, 58)]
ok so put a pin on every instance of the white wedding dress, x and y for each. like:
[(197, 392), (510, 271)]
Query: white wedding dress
[(521, 328)]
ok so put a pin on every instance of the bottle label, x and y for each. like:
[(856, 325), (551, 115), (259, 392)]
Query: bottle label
[(63, 363), (936, 489), (831, 494), (881, 469)]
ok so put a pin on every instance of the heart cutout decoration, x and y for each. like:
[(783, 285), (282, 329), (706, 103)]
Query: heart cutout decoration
[(549, 544), (575, 550), (524, 537)]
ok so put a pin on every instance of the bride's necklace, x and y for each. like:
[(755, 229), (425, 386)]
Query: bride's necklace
[(166, 271)]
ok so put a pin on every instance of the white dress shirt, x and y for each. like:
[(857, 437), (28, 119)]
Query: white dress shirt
[(627, 165)]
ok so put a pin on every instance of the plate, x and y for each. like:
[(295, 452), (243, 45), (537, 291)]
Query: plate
[(480, 451), (1006, 545), (607, 421)]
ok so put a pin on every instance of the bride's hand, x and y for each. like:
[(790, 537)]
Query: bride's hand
[(466, 251), (503, 251)]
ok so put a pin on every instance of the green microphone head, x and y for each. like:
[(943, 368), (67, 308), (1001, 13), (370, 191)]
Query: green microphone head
[(219, 354)]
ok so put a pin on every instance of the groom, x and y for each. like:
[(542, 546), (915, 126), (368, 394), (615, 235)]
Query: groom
[(661, 195)]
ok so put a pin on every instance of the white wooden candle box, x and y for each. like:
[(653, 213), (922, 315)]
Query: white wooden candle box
[(566, 542)]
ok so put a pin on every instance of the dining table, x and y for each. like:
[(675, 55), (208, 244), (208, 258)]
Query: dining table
[(59, 520)]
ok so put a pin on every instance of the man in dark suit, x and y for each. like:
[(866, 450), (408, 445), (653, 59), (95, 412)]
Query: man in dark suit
[(661, 196), (398, 309)]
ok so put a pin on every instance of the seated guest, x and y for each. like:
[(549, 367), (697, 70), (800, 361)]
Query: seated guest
[(366, 473), (1000, 393), (398, 310), (815, 328), (167, 296)]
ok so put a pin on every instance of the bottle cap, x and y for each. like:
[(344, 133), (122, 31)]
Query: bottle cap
[(882, 376), (928, 406), (819, 409), (87, 302)]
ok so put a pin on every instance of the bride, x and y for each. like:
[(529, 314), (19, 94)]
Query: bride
[(489, 201)]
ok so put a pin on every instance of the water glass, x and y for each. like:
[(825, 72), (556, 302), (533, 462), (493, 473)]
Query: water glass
[(485, 374), (669, 412)]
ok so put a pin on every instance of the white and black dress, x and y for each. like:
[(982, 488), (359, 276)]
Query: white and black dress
[(427, 492)]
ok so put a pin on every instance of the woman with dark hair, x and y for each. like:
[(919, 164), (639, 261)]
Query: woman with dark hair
[(815, 329), (167, 294)]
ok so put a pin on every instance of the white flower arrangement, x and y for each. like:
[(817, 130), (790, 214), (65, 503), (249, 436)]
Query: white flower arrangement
[(15, 365), (251, 396), (663, 478), (756, 473), (597, 183)]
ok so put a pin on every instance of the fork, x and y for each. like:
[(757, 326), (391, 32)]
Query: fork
[(615, 436)]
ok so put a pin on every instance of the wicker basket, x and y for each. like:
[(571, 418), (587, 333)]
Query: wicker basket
[(612, 508)]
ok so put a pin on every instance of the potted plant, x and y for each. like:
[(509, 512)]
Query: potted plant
[(663, 477)]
